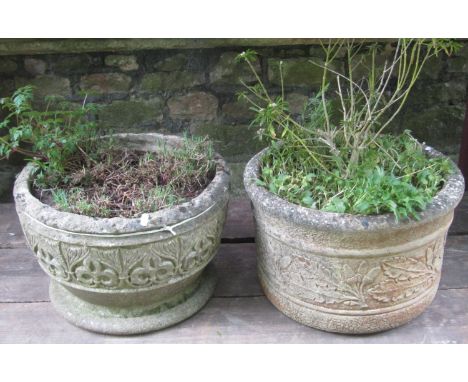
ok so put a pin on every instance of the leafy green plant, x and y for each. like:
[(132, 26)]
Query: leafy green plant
[(51, 138), (338, 159), (80, 174)]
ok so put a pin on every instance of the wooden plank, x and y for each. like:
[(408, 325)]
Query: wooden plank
[(236, 265), (22, 280), (460, 220), (21, 277), (239, 220), (463, 157), (455, 265), (11, 234), (239, 320)]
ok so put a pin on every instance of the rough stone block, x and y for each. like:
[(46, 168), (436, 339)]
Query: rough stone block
[(362, 65), (35, 66), (201, 106), (129, 115), (228, 72), (46, 85), (105, 83), (164, 81), (292, 52), (7, 65), (71, 64), (125, 63), (457, 65), (7, 177), (235, 142), (173, 63), (237, 179), (426, 94), (439, 126), (463, 52), (6, 88), (298, 72), (237, 111), (296, 102), (317, 51), (432, 69)]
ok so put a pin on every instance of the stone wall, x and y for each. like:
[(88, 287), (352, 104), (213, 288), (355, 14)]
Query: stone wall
[(173, 90)]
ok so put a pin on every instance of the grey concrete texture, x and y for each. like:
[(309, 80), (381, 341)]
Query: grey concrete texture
[(349, 273), (127, 276)]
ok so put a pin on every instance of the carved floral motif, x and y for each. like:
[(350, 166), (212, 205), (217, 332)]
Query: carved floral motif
[(351, 283), (138, 266)]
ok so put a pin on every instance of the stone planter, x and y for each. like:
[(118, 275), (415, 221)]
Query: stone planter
[(126, 276), (349, 273)]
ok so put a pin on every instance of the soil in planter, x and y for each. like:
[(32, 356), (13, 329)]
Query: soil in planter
[(129, 183)]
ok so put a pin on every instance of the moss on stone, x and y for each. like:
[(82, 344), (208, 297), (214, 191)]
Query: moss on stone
[(195, 106), (235, 142), (7, 65), (298, 72), (431, 69), (123, 62), (458, 65), (125, 115), (439, 126), (35, 66), (105, 83), (426, 94), (228, 72), (72, 64), (237, 111), (296, 102), (237, 179), (164, 81), (173, 63), (46, 85), (38, 46), (6, 88)]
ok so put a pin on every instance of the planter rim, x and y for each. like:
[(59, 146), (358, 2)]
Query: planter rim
[(213, 195), (444, 202)]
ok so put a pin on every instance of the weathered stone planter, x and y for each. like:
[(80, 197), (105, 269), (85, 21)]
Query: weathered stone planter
[(125, 276), (348, 273)]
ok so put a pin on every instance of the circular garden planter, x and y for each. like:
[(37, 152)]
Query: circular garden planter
[(349, 273), (127, 276)]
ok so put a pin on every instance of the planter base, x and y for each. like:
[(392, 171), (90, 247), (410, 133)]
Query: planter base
[(94, 318), (361, 322)]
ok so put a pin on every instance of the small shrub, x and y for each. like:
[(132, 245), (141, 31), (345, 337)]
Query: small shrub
[(339, 159), (81, 174), (52, 138)]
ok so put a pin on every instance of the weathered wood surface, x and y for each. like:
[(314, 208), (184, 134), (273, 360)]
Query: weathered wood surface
[(460, 221), (238, 320), (22, 280), (11, 234), (238, 313), (239, 220)]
